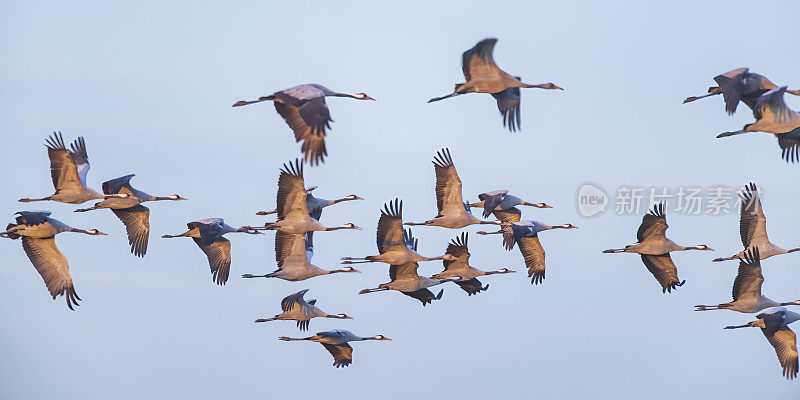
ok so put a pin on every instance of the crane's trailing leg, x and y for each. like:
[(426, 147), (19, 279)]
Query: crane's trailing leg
[(614, 251), (267, 212)]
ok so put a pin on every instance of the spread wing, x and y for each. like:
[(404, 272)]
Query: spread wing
[(137, 223), (664, 270), (509, 216), (425, 296), (448, 185), (508, 102), (296, 300), (289, 245), (533, 252), (308, 120), (390, 226), (52, 266), (63, 168), (653, 224), (32, 218), (342, 354), (407, 271), (458, 248), (219, 258), (749, 279), (491, 200), (291, 199), (752, 222), (771, 106), (472, 286), (477, 62), (785, 343), (115, 185), (789, 143), (732, 85)]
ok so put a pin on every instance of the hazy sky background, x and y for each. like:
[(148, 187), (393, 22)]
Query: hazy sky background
[(150, 87)]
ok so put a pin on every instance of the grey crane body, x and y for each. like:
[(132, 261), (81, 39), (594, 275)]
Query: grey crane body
[(739, 85), (460, 268), (774, 323), (395, 245), (208, 235), (500, 200), (315, 205), (406, 279), (482, 75), (453, 212), (292, 253), (336, 342), (753, 227), (296, 308), (37, 231), (747, 297), (525, 233), (130, 210), (654, 248), (292, 210), (68, 170), (304, 110), (774, 116)]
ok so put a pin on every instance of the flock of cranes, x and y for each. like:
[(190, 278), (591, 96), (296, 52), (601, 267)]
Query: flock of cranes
[(299, 214)]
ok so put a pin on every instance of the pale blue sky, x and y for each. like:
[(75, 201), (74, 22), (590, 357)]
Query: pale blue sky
[(150, 85)]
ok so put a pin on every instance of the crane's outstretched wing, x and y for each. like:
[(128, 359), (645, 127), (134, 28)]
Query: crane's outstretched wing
[(448, 184), (491, 200), (458, 248), (653, 224), (219, 258), (137, 224), (731, 84), (664, 270), (115, 185), (291, 198), (509, 216), (425, 296), (296, 300), (533, 253), (508, 102), (752, 222), (477, 62), (52, 266), (789, 143), (390, 226), (472, 286), (342, 354), (785, 343), (63, 167), (308, 120), (749, 279)]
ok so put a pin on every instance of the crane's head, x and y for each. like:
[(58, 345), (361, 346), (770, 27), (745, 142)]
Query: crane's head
[(703, 247), (449, 257), (568, 226), (94, 232), (342, 316), (362, 96), (176, 197), (353, 197), (380, 337)]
